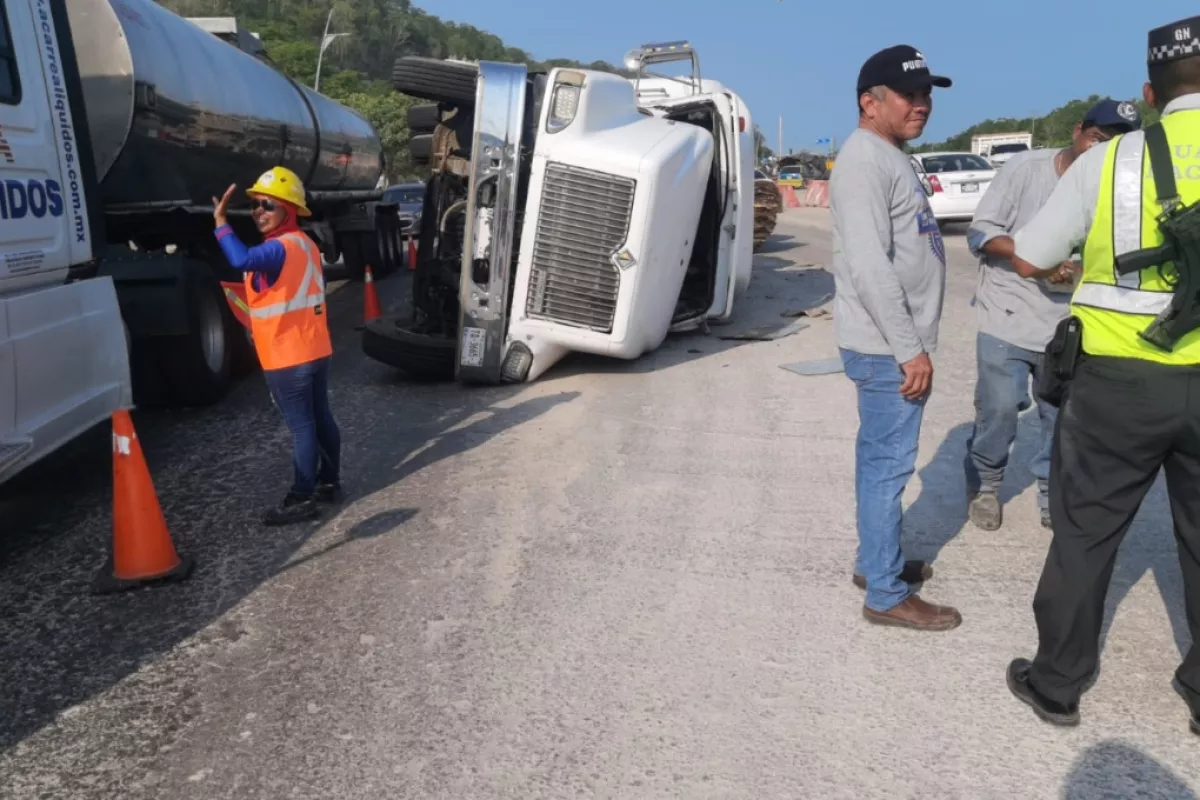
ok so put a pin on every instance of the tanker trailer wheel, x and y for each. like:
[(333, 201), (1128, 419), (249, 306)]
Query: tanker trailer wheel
[(360, 248), (199, 363), (424, 118), (390, 340), (420, 148), (434, 79)]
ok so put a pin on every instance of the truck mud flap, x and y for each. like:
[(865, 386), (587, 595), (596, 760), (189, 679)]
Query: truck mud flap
[(490, 222)]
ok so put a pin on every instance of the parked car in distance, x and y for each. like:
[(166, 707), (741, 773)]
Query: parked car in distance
[(957, 181), (792, 175), (1001, 153), (408, 198)]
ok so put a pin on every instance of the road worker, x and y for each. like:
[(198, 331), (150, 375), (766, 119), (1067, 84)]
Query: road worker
[(285, 292), (1132, 402)]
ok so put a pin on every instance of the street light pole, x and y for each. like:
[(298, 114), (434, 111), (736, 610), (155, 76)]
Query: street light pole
[(326, 40)]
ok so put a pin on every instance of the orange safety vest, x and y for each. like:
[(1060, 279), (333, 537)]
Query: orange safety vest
[(288, 320)]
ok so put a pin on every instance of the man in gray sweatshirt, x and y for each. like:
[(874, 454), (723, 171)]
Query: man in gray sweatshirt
[(1017, 316), (889, 267)]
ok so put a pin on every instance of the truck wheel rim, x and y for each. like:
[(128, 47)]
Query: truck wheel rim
[(212, 334)]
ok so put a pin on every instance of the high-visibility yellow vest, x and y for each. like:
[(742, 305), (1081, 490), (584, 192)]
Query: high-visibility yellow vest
[(1115, 308)]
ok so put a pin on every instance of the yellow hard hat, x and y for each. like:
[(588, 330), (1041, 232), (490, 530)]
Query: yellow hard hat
[(282, 184)]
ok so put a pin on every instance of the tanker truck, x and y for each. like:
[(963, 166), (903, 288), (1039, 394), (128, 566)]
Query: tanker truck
[(563, 214), (119, 121)]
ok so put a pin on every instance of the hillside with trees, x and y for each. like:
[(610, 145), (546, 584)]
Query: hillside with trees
[(1052, 130), (356, 68)]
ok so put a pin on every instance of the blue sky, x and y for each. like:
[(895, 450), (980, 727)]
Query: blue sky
[(800, 59)]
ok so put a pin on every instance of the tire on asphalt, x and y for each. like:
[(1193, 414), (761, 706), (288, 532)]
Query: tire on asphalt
[(435, 79), (423, 118), (388, 340), (199, 364)]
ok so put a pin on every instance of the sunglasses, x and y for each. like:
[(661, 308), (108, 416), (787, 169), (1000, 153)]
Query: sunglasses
[(264, 204)]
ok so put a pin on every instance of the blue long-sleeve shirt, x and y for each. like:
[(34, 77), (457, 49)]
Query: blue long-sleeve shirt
[(264, 261)]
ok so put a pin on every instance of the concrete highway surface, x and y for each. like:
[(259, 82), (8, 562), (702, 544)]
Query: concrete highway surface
[(626, 580)]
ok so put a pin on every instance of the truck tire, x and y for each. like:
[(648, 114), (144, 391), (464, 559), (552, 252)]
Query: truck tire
[(434, 79), (391, 245), (389, 340), (423, 118), (360, 248), (421, 148), (198, 365)]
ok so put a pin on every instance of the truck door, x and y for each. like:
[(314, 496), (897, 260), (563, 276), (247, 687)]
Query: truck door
[(63, 354), (729, 149), (43, 214)]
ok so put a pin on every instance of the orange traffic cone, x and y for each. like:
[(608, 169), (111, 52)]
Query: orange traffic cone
[(142, 552), (412, 254), (371, 307)]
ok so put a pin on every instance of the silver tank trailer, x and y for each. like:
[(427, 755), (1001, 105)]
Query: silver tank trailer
[(176, 114)]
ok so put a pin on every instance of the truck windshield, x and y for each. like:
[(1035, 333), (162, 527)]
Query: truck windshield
[(1010, 148)]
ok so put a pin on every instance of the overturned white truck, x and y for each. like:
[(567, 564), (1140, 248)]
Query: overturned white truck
[(564, 215)]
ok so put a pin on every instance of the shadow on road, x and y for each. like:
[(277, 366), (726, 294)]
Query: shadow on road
[(772, 308), (215, 470), (928, 524), (1115, 769)]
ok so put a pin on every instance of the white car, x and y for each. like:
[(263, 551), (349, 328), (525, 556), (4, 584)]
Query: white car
[(957, 181), (1001, 153)]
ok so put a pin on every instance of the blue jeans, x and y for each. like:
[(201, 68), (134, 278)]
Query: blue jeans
[(301, 394), (885, 457), (1001, 393)]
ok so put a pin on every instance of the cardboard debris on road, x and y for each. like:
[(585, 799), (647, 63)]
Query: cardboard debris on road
[(817, 310), (823, 366), (765, 333), (767, 204)]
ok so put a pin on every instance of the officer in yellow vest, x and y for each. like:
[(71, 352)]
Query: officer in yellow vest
[(1131, 407)]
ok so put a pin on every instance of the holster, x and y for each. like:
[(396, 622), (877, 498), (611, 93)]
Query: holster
[(1060, 361)]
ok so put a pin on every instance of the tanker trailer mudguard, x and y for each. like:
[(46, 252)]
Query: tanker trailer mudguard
[(491, 215)]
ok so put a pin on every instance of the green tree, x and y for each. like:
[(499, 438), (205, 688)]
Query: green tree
[(1052, 130), (356, 68)]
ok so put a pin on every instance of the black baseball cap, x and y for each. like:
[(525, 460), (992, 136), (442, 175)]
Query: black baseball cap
[(1122, 115), (901, 68)]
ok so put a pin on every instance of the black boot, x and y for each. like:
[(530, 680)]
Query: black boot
[(294, 508), (1046, 709), (329, 493)]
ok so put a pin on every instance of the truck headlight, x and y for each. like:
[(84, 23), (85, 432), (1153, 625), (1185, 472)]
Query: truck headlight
[(564, 100)]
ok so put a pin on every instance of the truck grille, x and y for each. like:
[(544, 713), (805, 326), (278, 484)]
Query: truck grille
[(584, 219)]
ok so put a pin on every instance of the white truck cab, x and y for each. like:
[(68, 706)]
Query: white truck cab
[(45, 231), (672, 95), (564, 216)]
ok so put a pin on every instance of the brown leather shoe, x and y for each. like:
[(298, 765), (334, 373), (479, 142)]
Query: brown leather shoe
[(914, 571), (917, 614)]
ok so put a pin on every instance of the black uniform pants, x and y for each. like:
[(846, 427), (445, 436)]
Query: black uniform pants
[(1122, 421)]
